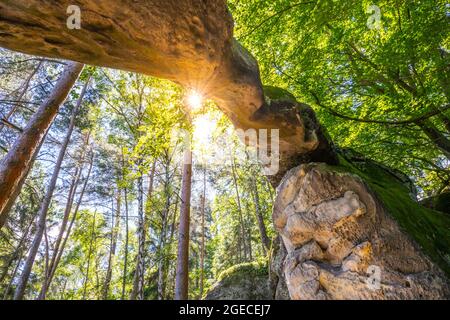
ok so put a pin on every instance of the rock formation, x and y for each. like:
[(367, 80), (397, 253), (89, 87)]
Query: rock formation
[(196, 50), (336, 223), (344, 242)]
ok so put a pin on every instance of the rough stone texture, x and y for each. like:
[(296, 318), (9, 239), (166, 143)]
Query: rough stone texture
[(187, 41), (335, 230), (247, 281), (277, 281)]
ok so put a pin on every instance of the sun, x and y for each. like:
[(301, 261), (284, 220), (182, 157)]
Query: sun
[(195, 100)]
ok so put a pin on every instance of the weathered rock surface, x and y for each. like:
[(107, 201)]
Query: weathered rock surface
[(248, 281), (339, 235)]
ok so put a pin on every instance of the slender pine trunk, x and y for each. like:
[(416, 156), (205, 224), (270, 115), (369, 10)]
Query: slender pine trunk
[(15, 166), (259, 217), (138, 281), (59, 239), (112, 252), (42, 214), (238, 200), (162, 236), (17, 252), (125, 262), (182, 273), (202, 247), (65, 221), (69, 229), (91, 246)]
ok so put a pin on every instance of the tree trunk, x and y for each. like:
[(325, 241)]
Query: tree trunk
[(69, 229), (182, 273), (248, 232), (125, 261), (91, 246), (139, 274), (13, 276), (161, 263), (112, 252), (70, 199), (15, 165), (173, 227), (238, 200), (202, 246), (162, 238), (12, 199), (67, 211), (42, 214), (265, 241), (209, 59), (18, 254)]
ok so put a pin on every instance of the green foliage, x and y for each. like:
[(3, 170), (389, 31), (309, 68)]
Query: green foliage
[(429, 228), (327, 54), (249, 270)]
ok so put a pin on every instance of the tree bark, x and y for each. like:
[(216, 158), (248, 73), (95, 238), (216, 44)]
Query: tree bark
[(162, 236), (202, 246), (91, 245), (125, 262), (17, 190), (68, 209), (238, 201), (182, 273), (112, 252), (42, 214), (265, 241), (16, 164), (69, 229), (72, 221), (138, 282)]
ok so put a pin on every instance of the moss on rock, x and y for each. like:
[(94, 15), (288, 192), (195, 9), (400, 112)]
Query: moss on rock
[(429, 228), (275, 93), (249, 269), (246, 281)]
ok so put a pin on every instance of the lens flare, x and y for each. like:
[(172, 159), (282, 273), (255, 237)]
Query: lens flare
[(195, 100)]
